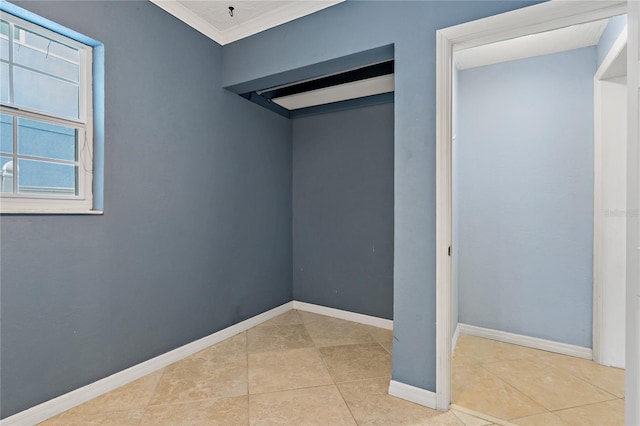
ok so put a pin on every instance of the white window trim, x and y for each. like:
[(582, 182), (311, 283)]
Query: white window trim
[(13, 203)]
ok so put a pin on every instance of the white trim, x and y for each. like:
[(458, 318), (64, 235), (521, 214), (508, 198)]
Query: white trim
[(615, 51), (278, 16), (520, 22), (598, 220), (530, 20), (530, 342), (632, 343), (454, 339), (55, 406), (83, 125), (344, 315), (598, 204), (412, 394), (188, 17), (444, 70)]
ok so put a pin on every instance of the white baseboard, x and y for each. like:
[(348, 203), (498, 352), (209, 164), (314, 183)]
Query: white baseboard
[(531, 342), (345, 315), (413, 394), (454, 339), (55, 406)]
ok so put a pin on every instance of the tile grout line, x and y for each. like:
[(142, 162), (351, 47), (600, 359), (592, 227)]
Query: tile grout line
[(540, 359), (155, 389), (585, 380), (324, 362), (516, 388), (583, 405), (346, 404), (246, 349)]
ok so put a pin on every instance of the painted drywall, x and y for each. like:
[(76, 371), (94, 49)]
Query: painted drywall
[(343, 210), (525, 198), (196, 234), (357, 26), (610, 35)]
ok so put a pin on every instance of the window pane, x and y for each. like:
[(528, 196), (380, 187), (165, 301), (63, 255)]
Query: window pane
[(6, 174), (6, 134), (23, 37), (4, 82), (4, 40), (46, 55), (44, 93), (40, 177), (46, 140)]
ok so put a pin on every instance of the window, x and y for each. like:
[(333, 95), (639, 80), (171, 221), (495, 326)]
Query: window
[(46, 120)]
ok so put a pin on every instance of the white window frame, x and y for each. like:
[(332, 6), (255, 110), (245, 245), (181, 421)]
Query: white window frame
[(55, 203)]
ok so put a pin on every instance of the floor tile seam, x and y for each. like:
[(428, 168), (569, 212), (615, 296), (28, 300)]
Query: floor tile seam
[(579, 377), (531, 415), (378, 340), (362, 380), (454, 412), (581, 406), (529, 397), (246, 347), (298, 387), (481, 415), (290, 390), (321, 358), (335, 380), (352, 344), (569, 373), (155, 388), (191, 401), (279, 350), (613, 397), (326, 365), (347, 404), (96, 413), (276, 351)]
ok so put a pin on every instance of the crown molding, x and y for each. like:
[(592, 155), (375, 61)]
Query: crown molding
[(278, 16)]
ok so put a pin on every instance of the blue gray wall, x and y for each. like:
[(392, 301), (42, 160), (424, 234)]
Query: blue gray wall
[(343, 210), (525, 196), (196, 234), (356, 26), (609, 36)]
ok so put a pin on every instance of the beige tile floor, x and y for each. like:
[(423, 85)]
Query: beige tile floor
[(530, 387), (307, 369), (296, 369)]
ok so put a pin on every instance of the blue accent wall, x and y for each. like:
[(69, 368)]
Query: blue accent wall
[(343, 210), (196, 234), (359, 26), (524, 157)]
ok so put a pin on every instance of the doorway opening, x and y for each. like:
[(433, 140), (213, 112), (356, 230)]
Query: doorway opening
[(534, 20)]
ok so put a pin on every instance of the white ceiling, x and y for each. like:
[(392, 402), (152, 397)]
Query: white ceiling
[(559, 40), (212, 18)]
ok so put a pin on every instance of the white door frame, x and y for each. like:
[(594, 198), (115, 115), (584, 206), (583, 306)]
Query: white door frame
[(599, 307), (632, 342), (520, 22)]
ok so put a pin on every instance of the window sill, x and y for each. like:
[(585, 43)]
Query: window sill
[(51, 212)]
